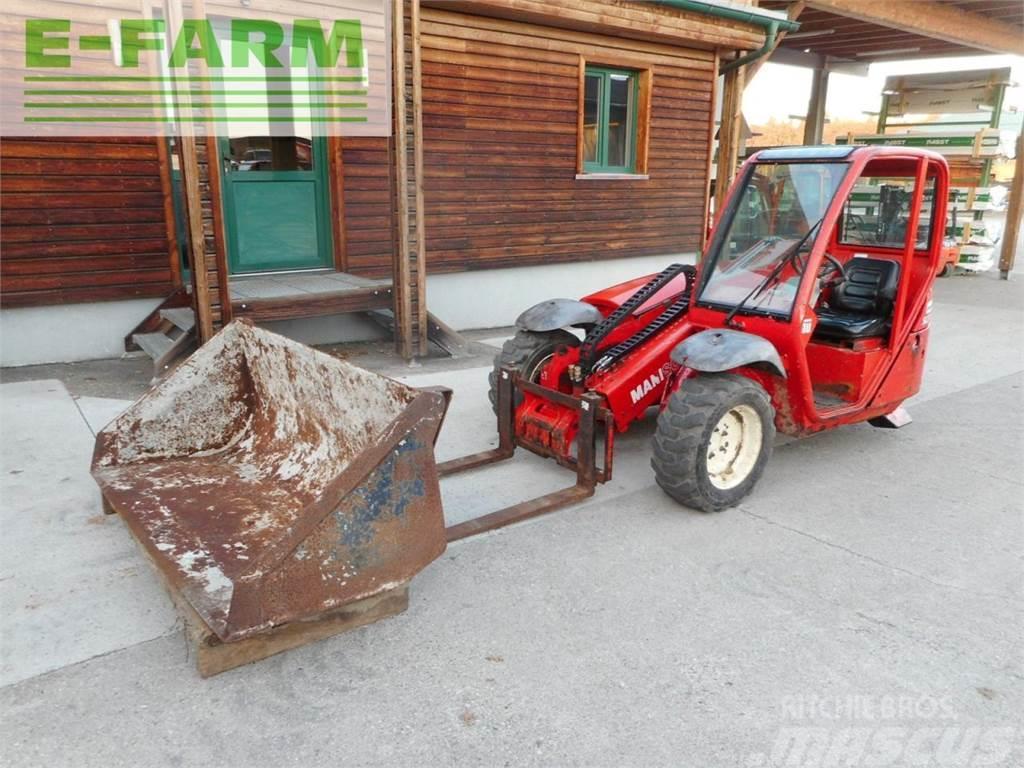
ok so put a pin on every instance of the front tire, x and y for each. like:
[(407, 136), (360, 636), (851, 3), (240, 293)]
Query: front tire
[(529, 352), (947, 270), (713, 440)]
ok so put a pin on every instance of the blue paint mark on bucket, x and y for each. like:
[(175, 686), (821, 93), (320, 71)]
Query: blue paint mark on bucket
[(379, 499)]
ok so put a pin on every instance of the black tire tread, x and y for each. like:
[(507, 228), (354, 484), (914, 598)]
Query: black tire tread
[(681, 431), (518, 350)]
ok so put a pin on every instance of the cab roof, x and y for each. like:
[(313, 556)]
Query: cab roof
[(833, 152), (826, 152)]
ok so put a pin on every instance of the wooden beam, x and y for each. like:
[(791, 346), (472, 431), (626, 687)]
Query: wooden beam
[(220, 239), (197, 246), (711, 158), (417, 160), (814, 124), (336, 187), (581, 93), (166, 181), (213, 657), (729, 132), (314, 305), (193, 212), (931, 19), (401, 273), (792, 13), (170, 221), (1014, 214)]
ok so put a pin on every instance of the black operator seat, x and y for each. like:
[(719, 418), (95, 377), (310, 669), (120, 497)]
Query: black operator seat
[(861, 305)]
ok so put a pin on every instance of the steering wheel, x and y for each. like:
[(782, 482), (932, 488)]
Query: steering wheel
[(832, 273)]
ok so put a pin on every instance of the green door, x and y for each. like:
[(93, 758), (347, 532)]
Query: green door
[(275, 192), (276, 205)]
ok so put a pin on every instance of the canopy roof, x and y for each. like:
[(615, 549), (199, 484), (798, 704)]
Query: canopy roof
[(864, 31)]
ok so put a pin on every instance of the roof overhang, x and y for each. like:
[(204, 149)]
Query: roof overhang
[(860, 32)]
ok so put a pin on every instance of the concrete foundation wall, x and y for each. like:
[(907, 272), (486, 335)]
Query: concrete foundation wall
[(69, 332), (464, 300), (496, 297)]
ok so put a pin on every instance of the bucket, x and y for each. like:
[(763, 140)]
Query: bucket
[(271, 483)]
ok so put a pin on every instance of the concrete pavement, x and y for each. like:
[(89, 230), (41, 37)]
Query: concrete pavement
[(863, 607)]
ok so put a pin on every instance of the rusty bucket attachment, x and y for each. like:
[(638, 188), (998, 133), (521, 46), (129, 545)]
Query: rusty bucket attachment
[(271, 483)]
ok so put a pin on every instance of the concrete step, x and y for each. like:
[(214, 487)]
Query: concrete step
[(156, 345), (183, 317)]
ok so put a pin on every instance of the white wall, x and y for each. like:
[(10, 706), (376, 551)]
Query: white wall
[(495, 297), (69, 332), (464, 300), (73, 332)]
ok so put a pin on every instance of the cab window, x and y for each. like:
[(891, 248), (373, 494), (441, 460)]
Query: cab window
[(877, 213)]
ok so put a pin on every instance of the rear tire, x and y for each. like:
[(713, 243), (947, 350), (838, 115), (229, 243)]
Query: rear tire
[(713, 440), (528, 352)]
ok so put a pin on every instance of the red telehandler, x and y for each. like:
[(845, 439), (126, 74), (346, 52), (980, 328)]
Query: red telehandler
[(286, 495), (801, 316)]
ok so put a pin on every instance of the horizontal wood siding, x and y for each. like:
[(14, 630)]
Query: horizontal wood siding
[(83, 220), (500, 104), (628, 18), (369, 207), (500, 121)]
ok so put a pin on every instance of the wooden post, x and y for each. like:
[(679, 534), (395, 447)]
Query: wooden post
[(196, 238), (883, 116), (706, 223), (729, 131), (417, 153), (220, 243), (814, 124), (170, 222), (165, 162), (401, 273), (1014, 214), (336, 185), (193, 209)]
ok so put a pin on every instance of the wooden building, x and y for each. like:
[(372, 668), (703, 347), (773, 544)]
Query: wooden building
[(568, 138)]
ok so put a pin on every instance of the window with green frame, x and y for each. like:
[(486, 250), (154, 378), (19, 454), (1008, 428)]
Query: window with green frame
[(610, 107)]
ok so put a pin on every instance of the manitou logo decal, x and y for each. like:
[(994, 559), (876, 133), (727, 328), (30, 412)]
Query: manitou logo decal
[(652, 382)]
